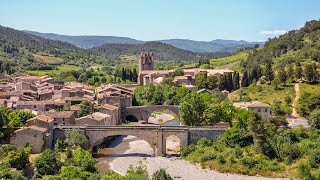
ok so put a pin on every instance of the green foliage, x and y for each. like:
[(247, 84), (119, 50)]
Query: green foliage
[(47, 163), (74, 172), (6, 173), (161, 174), (76, 138), (192, 110), (314, 158), (86, 108), (15, 157), (83, 159), (314, 119)]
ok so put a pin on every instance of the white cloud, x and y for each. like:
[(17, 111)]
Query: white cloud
[(273, 32)]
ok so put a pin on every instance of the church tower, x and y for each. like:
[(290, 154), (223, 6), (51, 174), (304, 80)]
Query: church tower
[(146, 62)]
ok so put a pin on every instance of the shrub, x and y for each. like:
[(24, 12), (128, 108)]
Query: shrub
[(204, 142), (208, 157), (250, 162), (186, 150), (293, 151), (314, 158), (161, 174), (304, 171), (221, 159)]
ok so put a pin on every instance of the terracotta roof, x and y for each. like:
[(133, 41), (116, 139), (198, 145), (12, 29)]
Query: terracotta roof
[(109, 107), (36, 128), (43, 118), (60, 114)]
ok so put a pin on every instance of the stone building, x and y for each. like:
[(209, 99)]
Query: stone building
[(94, 119), (34, 136), (186, 79), (113, 111), (261, 108), (41, 121), (41, 106), (62, 117)]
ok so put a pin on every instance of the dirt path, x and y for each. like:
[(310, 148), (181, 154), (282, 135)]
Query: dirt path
[(295, 101)]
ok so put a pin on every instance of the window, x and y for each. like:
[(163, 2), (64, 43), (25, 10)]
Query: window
[(55, 124), (35, 135), (34, 106), (266, 110), (259, 110)]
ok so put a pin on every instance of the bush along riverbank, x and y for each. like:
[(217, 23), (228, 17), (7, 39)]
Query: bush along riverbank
[(256, 146)]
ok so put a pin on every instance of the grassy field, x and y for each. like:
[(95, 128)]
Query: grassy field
[(62, 68), (47, 59), (231, 62), (264, 93)]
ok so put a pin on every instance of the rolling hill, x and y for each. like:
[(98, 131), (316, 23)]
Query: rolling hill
[(86, 42)]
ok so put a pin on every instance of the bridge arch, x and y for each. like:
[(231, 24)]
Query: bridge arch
[(144, 112), (96, 137)]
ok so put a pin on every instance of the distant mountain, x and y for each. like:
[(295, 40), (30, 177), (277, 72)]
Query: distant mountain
[(162, 51), (87, 42)]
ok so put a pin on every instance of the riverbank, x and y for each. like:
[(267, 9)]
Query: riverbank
[(140, 154)]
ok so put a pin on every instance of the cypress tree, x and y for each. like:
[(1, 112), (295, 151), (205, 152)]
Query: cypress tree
[(236, 80)]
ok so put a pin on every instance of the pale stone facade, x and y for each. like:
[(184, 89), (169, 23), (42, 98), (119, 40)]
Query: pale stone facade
[(261, 108), (34, 136)]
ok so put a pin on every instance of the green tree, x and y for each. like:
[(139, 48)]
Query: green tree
[(256, 125), (14, 120), (201, 80), (18, 158), (161, 174), (268, 71), (314, 119), (236, 80), (86, 108), (84, 160), (177, 72), (290, 72), (212, 82), (76, 138), (47, 163), (213, 114), (192, 110), (282, 75), (298, 72), (310, 72)]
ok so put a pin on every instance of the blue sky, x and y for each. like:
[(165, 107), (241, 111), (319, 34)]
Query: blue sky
[(206, 20)]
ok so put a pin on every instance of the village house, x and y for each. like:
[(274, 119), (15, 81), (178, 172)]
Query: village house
[(261, 108), (113, 111), (41, 105), (62, 117), (36, 137), (94, 119)]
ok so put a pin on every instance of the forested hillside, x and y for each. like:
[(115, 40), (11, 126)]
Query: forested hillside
[(294, 55), (20, 51), (162, 51)]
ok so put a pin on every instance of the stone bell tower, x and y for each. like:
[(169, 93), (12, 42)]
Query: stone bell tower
[(146, 62)]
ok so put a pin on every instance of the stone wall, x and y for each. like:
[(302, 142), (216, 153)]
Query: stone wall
[(196, 133)]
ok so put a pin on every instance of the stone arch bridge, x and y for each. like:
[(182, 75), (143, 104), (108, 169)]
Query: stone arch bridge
[(156, 136), (142, 113)]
